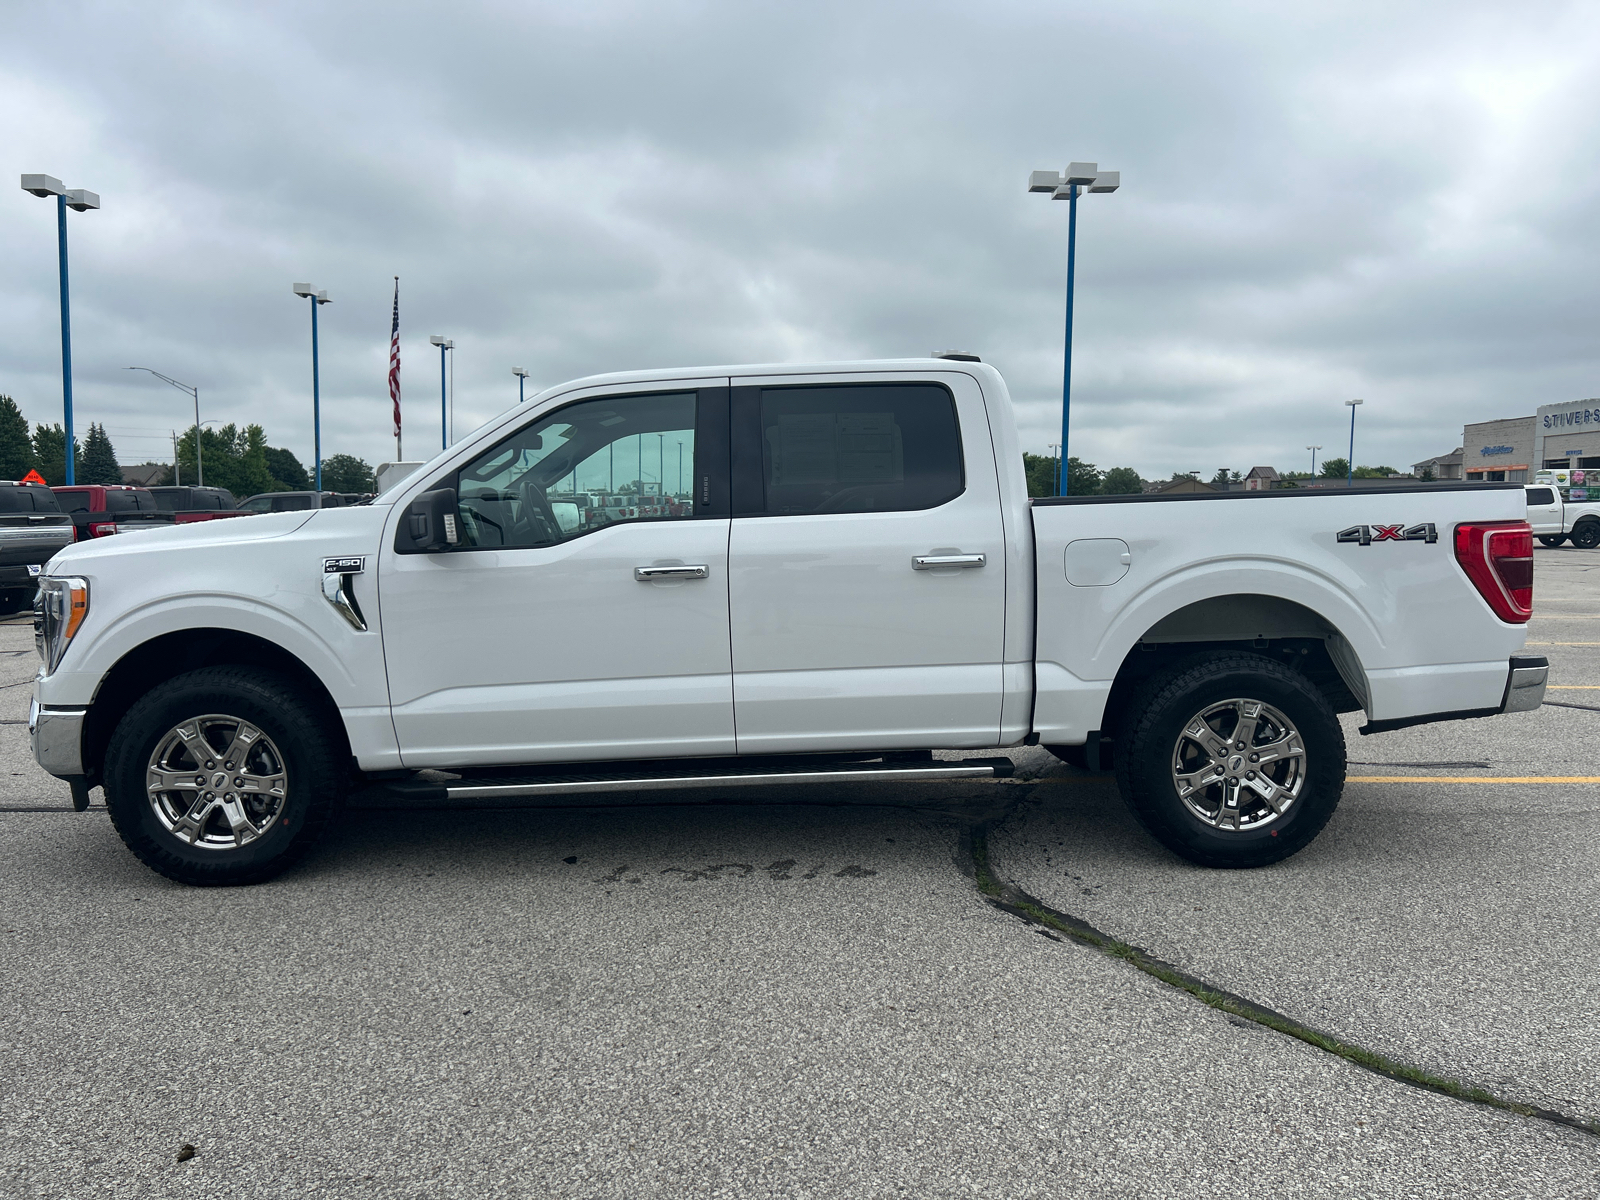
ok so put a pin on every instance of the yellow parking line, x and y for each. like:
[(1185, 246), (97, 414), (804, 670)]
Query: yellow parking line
[(1472, 779)]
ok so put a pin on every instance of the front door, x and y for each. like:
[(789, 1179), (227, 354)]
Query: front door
[(866, 566), (584, 614)]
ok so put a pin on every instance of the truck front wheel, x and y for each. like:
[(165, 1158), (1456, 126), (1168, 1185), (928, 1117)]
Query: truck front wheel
[(1586, 535), (1231, 760), (225, 775)]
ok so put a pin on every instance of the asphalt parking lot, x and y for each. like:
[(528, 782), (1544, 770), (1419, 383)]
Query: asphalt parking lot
[(812, 998)]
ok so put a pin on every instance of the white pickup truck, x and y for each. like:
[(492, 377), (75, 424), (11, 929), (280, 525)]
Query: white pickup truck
[(753, 575), (1554, 519)]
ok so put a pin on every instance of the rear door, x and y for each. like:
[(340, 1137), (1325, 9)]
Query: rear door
[(1544, 510), (866, 564)]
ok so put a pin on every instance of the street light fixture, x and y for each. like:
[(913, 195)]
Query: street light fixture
[(522, 377), (78, 200), (1065, 187), (199, 464), (1350, 463), (1313, 450), (444, 407), (318, 299)]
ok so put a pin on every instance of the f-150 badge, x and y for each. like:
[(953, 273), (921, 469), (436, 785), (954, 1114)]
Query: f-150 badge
[(1365, 535), (348, 566)]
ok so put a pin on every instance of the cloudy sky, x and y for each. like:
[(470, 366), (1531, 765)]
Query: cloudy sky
[(1394, 201)]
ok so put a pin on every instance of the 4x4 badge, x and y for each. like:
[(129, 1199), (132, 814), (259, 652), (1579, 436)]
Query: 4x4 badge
[(1365, 535)]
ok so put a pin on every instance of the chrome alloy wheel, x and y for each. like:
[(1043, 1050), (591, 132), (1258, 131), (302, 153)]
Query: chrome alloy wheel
[(1239, 765), (216, 781)]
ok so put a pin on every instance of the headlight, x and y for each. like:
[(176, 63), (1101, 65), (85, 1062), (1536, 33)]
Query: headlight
[(58, 612)]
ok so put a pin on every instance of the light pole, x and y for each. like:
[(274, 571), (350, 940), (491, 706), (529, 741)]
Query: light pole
[(1313, 450), (1065, 187), (680, 470), (318, 299), (199, 464), (444, 405), (1350, 463), (1055, 466), (79, 201), (522, 377)]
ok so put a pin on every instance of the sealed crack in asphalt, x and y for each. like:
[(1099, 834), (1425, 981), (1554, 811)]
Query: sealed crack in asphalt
[(1011, 899), (1565, 704)]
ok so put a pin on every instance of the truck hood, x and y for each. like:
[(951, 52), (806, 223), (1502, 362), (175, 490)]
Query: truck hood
[(363, 522)]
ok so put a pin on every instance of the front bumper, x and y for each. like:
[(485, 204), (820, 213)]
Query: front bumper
[(57, 738)]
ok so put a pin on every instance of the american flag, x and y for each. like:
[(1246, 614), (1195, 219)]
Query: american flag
[(394, 360)]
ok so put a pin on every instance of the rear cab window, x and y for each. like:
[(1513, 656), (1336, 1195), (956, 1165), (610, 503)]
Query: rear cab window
[(1538, 496)]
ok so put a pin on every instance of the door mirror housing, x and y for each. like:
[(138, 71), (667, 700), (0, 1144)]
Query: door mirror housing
[(430, 524)]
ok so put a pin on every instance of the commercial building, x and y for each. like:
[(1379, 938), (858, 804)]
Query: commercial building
[(1511, 449)]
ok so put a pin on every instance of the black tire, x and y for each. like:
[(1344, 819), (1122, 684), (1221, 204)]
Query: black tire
[(1586, 535), (299, 737), (1553, 540), (1147, 749)]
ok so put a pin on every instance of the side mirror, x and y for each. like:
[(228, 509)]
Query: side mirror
[(430, 522)]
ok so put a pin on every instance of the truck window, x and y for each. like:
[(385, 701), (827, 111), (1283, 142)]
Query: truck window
[(1541, 496), (122, 502), (15, 499), (73, 501), (44, 500), (859, 448), (539, 486)]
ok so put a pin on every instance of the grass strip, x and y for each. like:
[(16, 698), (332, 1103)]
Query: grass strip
[(1015, 901)]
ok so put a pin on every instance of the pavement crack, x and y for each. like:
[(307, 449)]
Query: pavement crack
[(1566, 704), (1011, 899)]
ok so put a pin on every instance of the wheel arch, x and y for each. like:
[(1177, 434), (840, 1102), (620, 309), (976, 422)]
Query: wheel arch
[(169, 655), (1273, 627)]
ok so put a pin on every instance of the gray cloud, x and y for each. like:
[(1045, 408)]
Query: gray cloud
[(1386, 201)]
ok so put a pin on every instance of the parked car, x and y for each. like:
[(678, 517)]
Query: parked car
[(856, 579), (1555, 519), (32, 529), (102, 511), (190, 504), (273, 502)]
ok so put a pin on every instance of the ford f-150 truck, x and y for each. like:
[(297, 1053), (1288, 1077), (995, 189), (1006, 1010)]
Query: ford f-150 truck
[(848, 576)]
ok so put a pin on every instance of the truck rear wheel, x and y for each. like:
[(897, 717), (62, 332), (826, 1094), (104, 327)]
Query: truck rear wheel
[(1586, 535), (1231, 760), (1553, 540), (225, 775)]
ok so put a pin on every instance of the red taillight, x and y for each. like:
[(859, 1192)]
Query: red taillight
[(107, 528), (1498, 558)]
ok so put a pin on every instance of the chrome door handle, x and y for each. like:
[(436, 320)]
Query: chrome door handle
[(927, 562), (646, 574)]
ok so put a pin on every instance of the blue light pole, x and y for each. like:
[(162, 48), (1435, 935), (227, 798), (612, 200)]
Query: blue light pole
[(1350, 463), (1065, 187), (522, 378), (444, 404), (79, 201), (318, 299)]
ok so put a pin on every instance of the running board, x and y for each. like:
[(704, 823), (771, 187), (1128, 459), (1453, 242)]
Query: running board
[(578, 783)]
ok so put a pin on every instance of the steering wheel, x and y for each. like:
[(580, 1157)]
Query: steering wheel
[(537, 506)]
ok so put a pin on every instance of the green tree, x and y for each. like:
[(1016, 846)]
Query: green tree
[(16, 447), (287, 473), (1040, 472), (1334, 468), (99, 464), (347, 473), (1121, 481), (1082, 478), (50, 453), (1427, 475), (1224, 476), (1375, 472), (233, 458)]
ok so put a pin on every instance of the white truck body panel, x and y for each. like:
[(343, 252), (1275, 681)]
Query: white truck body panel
[(809, 632)]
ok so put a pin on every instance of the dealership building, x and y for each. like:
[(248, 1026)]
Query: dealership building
[(1510, 450)]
